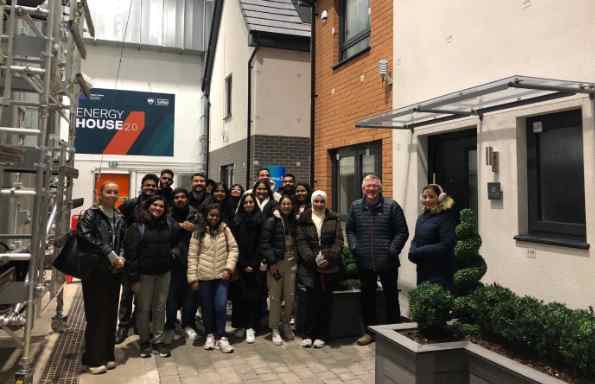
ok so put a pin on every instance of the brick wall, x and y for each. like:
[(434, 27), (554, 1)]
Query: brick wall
[(293, 153), (351, 91)]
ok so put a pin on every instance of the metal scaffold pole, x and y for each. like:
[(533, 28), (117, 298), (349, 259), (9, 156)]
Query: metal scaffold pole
[(41, 48)]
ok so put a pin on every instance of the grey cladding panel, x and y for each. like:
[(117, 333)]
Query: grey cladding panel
[(274, 16)]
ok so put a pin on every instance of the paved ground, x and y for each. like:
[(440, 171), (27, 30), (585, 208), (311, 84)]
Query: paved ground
[(261, 362)]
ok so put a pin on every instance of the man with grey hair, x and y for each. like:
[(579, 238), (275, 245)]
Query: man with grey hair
[(377, 232)]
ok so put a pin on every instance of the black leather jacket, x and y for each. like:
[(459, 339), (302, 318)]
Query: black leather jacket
[(97, 236)]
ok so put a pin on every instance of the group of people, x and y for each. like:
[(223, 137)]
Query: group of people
[(176, 250)]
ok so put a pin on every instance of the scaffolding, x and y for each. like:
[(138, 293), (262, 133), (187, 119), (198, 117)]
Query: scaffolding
[(41, 48)]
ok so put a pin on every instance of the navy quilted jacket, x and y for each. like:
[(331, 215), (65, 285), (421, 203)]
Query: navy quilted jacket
[(377, 234)]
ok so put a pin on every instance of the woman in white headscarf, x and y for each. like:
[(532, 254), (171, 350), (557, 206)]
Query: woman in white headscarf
[(319, 241)]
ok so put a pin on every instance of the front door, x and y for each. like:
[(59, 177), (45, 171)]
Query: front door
[(453, 165)]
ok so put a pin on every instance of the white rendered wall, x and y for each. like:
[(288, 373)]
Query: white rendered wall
[(148, 71), (444, 46)]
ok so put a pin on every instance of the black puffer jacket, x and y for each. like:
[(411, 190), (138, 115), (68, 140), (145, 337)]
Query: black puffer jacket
[(150, 253), (247, 231), (97, 238), (432, 248), (272, 237), (309, 245), (182, 237), (377, 234)]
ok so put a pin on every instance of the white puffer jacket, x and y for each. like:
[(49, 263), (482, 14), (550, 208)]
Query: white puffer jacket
[(210, 256)]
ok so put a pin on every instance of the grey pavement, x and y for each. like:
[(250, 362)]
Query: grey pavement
[(262, 362)]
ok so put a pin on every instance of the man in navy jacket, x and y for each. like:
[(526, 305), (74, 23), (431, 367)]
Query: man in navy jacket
[(377, 232)]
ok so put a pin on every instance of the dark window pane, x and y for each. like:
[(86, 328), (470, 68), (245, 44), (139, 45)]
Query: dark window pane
[(346, 179), (561, 182), (357, 18)]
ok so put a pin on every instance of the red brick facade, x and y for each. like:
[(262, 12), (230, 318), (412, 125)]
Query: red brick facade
[(352, 91)]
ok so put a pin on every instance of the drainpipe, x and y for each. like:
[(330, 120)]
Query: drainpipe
[(205, 134), (312, 91), (249, 120)]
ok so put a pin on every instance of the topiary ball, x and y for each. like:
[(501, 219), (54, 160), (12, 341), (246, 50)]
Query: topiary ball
[(430, 306), (467, 216), (465, 231), (466, 280)]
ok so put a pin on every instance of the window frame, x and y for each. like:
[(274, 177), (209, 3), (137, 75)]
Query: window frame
[(537, 226), (224, 170), (357, 150), (344, 44), (228, 87)]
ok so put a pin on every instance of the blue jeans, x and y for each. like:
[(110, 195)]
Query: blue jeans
[(214, 303)]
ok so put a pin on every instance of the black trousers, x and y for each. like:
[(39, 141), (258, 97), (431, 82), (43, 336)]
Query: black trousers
[(391, 296), (248, 296), (319, 306), (100, 292), (126, 318)]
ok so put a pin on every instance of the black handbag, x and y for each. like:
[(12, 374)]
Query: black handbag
[(71, 260)]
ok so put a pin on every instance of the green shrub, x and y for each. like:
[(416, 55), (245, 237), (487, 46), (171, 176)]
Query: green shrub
[(464, 230), (430, 307), (467, 216), (466, 280), (552, 332), (349, 263), (471, 267)]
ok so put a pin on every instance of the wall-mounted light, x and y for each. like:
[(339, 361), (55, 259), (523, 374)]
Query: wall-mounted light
[(384, 71), (492, 159), (324, 16)]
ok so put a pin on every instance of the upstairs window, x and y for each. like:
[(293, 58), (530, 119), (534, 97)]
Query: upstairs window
[(227, 114), (355, 27)]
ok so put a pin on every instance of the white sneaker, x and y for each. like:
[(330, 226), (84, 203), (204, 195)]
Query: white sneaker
[(319, 343), (111, 365), (97, 370), (250, 336), (277, 340), (307, 343), (210, 342), (224, 346), (191, 334)]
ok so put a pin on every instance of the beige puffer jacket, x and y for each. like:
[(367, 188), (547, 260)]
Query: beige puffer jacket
[(209, 257)]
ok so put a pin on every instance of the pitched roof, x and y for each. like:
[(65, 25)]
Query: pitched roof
[(274, 16)]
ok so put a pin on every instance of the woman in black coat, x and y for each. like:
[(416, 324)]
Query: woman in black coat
[(221, 196), (150, 252), (432, 248), (100, 232), (319, 241), (246, 227)]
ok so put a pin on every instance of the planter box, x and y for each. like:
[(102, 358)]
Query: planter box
[(488, 367), (400, 360), (346, 319)]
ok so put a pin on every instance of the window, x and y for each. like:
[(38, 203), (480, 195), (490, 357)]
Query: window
[(228, 95), (350, 165), (227, 175), (355, 27), (556, 185)]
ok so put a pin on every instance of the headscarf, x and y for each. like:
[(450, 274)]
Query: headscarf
[(316, 194)]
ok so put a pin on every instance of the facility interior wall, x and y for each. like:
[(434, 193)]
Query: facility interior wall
[(147, 71), (461, 44)]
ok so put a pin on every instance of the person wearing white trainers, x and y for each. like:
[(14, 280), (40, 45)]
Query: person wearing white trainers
[(250, 336), (212, 258), (319, 241), (277, 244), (307, 343), (246, 227), (209, 342), (191, 334), (224, 346)]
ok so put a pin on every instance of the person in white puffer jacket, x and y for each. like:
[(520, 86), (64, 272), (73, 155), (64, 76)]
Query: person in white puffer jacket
[(212, 258)]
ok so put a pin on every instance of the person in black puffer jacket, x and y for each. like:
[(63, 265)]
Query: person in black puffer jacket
[(180, 295), (319, 241), (246, 227), (132, 210), (432, 248), (100, 234), (377, 232), (150, 252)]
